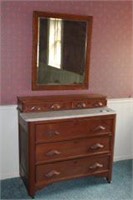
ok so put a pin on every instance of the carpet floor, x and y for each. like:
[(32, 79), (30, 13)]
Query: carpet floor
[(90, 188)]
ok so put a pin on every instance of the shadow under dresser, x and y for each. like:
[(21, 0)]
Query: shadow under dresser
[(64, 137)]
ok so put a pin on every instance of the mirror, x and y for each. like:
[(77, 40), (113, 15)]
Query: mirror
[(61, 51)]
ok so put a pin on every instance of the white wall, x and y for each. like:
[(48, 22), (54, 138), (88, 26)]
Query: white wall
[(124, 128), (9, 142), (9, 135)]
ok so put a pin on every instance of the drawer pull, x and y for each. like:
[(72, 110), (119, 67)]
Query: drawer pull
[(97, 146), (53, 153), (96, 165), (33, 108), (98, 104), (52, 133), (38, 108), (55, 107), (100, 128), (52, 173), (81, 105)]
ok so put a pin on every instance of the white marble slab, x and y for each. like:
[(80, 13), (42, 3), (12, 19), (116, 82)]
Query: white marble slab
[(66, 114)]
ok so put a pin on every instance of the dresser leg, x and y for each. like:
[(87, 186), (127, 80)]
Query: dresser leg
[(32, 195), (109, 180)]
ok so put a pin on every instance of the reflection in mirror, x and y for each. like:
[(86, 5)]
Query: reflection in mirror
[(61, 51)]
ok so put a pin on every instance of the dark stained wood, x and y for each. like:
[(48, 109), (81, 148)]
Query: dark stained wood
[(73, 128), (60, 102), (72, 149), (62, 149), (71, 168), (23, 152)]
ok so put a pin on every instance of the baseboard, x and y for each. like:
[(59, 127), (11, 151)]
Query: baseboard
[(121, 100), (8, 176), (126, 157)]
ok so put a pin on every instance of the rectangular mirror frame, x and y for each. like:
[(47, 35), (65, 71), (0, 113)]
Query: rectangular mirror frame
[(88, 20)]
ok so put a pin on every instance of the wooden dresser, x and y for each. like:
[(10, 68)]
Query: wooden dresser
[(64, 137)]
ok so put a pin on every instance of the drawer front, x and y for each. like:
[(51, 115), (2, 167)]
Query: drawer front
[(89, 103), (70, 169), (46, 106), (34, 108), (66, 130), (70, 149)]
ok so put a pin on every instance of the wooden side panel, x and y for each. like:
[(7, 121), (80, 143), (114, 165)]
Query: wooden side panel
[(27, 154), (23, 152), (32, 174)]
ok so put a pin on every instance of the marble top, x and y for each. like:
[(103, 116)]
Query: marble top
[(66, 114)]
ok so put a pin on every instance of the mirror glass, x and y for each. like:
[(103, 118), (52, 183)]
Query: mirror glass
[(60, 55)]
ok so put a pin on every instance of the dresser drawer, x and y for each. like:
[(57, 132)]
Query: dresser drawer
[(70, 129), (88, 103), (72, 168), (70, 149), (47, 106)]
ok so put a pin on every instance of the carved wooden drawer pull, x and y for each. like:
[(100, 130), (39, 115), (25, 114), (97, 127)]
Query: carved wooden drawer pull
[(98, 104), (53, 153), (35, 108), (100, 128), (52, 133), (55, 107), (96, 165), (81, 105), (52, 173), (97, 146)]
